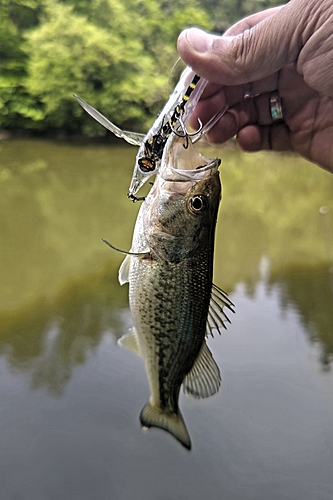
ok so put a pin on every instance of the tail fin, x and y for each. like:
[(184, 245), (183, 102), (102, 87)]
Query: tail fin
[(151, 416)]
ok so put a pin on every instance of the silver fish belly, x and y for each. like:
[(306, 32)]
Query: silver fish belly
[(171, 297)]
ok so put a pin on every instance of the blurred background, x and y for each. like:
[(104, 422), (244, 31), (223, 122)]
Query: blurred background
[(70, 398), (117, 55)]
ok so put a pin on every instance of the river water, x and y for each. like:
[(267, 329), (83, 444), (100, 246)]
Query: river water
[(70, 397)]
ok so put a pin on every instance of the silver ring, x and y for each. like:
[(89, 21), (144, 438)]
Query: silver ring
[(276, 107)]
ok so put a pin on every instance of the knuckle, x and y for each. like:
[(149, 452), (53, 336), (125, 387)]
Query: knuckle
[(241, 51)]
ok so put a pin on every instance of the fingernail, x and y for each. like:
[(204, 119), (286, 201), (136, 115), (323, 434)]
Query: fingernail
[(199, 40)]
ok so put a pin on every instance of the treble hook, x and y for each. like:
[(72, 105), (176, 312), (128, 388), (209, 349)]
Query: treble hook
[(185, 133), (135, 199), (210, 124), (192, 134), (182, 126)]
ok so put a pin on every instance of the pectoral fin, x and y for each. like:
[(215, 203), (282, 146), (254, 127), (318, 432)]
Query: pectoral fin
[(124, 270), (130, 341), (204, 379)]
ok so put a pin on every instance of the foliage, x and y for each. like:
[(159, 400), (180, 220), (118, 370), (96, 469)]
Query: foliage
[(116, 55), (15, 18), (225, 13)]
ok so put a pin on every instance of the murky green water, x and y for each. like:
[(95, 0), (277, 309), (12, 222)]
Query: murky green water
[(70, 397)]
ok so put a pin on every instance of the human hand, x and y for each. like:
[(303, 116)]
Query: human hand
[(288, 49)]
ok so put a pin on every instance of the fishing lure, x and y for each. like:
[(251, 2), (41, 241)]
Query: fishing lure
[(172, 119), (154, 146)]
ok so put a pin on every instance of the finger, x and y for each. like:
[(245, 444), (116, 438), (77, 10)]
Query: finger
[(225, 129), (235, 93), (218, 97), (274, 137), (255, 110), (251, 55)]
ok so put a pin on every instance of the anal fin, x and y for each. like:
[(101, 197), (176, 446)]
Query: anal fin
[(204, 379)]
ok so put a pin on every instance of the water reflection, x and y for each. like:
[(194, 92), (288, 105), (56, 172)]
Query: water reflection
[(59, 289), (310, 291), (56, 202), (70, 398), (47, 339)]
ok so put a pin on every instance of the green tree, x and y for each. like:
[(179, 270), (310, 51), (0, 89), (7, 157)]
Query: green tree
[(117, 55), (226, 12), (15, 103), (118, 59)]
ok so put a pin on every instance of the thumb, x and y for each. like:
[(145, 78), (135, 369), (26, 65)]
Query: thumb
[(264, 43)]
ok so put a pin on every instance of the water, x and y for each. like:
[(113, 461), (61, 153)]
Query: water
[(70, 397)]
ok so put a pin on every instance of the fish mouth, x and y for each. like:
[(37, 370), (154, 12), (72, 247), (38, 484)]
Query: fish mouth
[(172, 174)]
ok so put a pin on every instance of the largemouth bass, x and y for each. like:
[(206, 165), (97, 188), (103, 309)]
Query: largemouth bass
[(172, 300)]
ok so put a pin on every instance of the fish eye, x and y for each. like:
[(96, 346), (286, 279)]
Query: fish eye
[(146, 165), (198, 204)]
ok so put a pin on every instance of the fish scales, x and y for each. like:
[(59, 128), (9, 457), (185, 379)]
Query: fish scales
[(167, 315), (169, 270)]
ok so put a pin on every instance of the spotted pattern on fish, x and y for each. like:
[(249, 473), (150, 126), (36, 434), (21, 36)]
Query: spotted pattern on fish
[(174, 328)]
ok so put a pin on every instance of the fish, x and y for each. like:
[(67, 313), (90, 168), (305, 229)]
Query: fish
[(172, 119), (173, 302)]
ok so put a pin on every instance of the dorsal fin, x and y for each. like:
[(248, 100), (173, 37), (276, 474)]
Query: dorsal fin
[(204, 378)]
